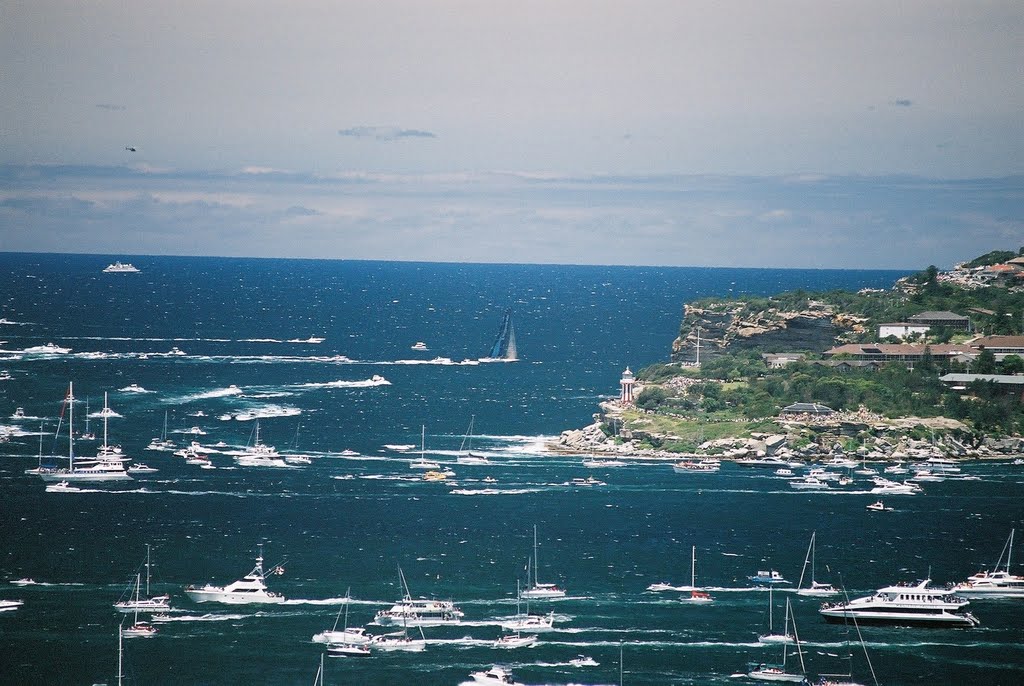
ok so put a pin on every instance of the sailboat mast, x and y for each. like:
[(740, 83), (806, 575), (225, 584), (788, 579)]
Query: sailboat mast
[(813, 576), (120, 655), (71, 426), (693, 568), (423, 441), (106, 416), (1009, 551), (147, 570), (536, 559)]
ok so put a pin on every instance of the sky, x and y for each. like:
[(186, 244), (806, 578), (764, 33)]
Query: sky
[(854, 134)]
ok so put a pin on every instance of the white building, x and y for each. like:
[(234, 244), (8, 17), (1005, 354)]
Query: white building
[(901, 330)]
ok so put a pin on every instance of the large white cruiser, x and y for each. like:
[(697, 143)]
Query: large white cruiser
[(999, 583), (411, 611), (250, 589), (904, 604), (121, 268)]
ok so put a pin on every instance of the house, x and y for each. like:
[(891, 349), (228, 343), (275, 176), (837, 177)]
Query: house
[(1012, 384), (807, 408), (1000, 346), (849, 365), (780, 360), (901, 329), (950, 320), (901, 352)]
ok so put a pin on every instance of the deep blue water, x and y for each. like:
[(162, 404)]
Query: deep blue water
[(349, 522)]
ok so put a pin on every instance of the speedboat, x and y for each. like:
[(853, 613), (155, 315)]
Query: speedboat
[(599, 464), (903, 605), (515, 640), (808, 483), (419, 345), (702, 467), (47, 349), (62, 487), (348, 650), (768, 577), (494, 675), (140, 468), (589, 481), (10, 605), (584, 661), (250, 589), (24, 581), (176, 351), (879, 507), (19, 413)]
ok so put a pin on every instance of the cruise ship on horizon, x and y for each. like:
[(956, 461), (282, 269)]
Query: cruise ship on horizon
[(121, 268)]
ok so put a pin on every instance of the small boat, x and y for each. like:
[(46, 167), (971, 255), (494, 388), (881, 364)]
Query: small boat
[(879, 507), (494, 675), (490, 480), (771, 637), (121, 268), (539, 591), (250, 589), (702, 467), (133, 388), (419, 345), (297, 459), (19, 413), (528, 622), (696, 596), (784, 471), (311, 339), (434, 475), (354, 636), (600, 464), (140, 468), (176, 351), (809, 483), (348, 453), (62, 487), (589, 481), (348, 650), (24, 581), (47, 349), (399, 642), (768, 577), (999, 583), (516, 640), (584, 661), (816, 588), (10, 605), (5, 375), (399, 447)]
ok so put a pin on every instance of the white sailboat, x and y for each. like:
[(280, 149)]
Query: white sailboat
[(696, 597), (999, 583), (772, 672), (149, 603), (528, 622), (105, 467), (771, 636), (423, 462), (138, 629), (816, 588), (357, 635), (162, 443), (469, 457), (539, 591)]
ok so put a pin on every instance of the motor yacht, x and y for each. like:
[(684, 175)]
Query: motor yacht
[(250, 589), (10, 605), (903, 605), (515, 640), (998, 583), (494, 675), (768, 577)]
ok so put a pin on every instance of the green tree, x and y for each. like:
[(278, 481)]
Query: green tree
[(985, 363)]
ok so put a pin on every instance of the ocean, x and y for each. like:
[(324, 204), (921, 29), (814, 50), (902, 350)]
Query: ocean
[(344, 524)]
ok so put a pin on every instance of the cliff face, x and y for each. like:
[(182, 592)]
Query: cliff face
[(733, 326)]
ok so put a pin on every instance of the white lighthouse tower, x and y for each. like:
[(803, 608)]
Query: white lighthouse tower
[(626, 387)]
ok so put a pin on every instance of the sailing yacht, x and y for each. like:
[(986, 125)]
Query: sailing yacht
[(469, 457), (999, 583), (105, 467), (539, 591), (528, 622), (162, 443), (816, 588), (250, 589), (696, 596), (356, 636), (772, 672), (260, 454), (418, 612), (147, 604), (138, 629), (423, 462), (772, 637), (504, 348)]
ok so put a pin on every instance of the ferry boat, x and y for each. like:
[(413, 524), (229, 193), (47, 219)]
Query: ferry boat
[(250, 589), (121, 268), (904, 605), (411, 611), (999, 583)]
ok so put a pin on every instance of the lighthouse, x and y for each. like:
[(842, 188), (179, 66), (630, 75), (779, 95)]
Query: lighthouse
[(626, 387)]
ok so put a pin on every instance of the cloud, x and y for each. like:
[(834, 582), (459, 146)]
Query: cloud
[(384, 133), (109, 106), (902, 102)]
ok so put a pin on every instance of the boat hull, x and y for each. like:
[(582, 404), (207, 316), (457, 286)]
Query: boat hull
[(228, 598), (900, 618)]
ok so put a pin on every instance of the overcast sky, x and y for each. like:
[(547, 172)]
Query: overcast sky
[(690, 133)]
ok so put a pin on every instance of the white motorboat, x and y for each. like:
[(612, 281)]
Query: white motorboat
[(353, 636), (19, 413), (768, 577), (809, 483), (47, 349), (516, 640), (494, 675), (24, 581), (175, 351), (311, 339), (589, 481), (999, 583), (250, 589), (121, 268), (584, 661), (107, 466), (879, 506), (600, 464), (897, 468), (137, 603), (539, 591), (422, 462), (528, 622), (10, 605), (696, 597), (419, 345), (411, 611), (141, 468), (348, 650), (816, 588), (62, 487), (692, 467), (771, 637), (904, 605)]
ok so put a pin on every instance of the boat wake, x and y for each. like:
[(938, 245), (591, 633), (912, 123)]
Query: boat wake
[(375, 380)]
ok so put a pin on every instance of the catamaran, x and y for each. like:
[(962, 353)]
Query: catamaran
[(539, 591), (419, 611), (816, 588), (250, 589)]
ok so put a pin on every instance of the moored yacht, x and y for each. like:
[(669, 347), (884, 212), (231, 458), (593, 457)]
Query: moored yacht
[(903, 605), (537, 590), (251, 588)]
